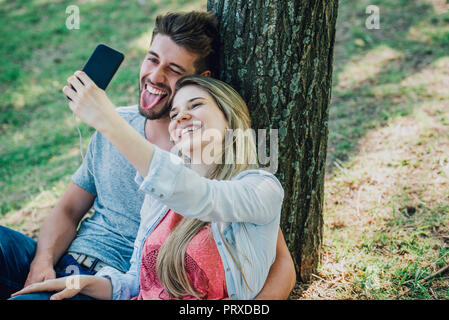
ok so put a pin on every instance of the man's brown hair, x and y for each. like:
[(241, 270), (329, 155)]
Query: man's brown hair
[(196, 31)]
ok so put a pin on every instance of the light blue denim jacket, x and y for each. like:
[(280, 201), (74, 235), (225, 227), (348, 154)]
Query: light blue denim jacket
[(247, 209)]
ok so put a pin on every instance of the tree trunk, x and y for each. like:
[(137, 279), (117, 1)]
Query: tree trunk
[(278, 55)]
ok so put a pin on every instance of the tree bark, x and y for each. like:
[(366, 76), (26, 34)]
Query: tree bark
[(278, 55)]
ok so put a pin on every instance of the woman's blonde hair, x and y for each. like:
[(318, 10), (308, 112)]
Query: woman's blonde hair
[(239, 155)]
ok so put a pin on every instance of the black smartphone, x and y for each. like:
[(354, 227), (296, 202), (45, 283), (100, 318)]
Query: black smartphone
[(102, 65)]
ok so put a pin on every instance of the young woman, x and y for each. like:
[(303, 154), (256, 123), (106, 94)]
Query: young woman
[(209, 226)]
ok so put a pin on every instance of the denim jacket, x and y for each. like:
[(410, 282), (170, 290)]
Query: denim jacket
[(246, 209)]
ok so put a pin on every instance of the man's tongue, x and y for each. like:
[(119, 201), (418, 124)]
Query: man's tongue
[(149, 100)]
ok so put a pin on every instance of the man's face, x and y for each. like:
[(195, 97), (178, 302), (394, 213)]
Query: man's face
[(164, 64)]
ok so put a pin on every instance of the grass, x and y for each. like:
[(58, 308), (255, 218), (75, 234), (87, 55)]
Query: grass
[(387, 181)]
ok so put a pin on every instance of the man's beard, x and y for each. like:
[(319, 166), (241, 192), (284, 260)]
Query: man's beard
[(152, 114)]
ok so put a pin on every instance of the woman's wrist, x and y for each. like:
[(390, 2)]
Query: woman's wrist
[(109, 123), (96, 287), (85, 281)]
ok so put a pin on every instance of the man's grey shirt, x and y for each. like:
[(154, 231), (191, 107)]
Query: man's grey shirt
[(110, 233)]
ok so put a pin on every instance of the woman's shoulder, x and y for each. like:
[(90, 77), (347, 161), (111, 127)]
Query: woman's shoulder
[(260, 174), (254, 172)]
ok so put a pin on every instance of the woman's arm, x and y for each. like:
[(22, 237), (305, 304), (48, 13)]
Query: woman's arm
[(97, 287), (253, 196), (67, 287)]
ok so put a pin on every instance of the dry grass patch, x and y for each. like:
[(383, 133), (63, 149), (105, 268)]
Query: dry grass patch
[(362, 69), (387, 213), (29, 219)]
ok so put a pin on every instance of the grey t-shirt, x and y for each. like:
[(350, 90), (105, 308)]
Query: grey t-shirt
[(110, 233)]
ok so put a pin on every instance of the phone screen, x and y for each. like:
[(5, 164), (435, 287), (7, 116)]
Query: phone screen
[(102, 65)]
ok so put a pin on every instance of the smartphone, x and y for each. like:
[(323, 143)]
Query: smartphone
[(102, 65)]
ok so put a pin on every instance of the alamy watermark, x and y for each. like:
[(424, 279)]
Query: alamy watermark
[(373, 20), (73, 20), (73, 281)]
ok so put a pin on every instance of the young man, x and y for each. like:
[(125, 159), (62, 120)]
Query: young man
[(182, 44)]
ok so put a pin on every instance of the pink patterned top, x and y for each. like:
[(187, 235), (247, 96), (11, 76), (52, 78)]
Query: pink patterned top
[(203, 263)]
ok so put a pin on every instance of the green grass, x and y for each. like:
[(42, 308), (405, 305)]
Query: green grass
[(410, 28)]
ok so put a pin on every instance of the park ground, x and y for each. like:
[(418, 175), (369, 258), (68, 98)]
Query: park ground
[(386, 231)]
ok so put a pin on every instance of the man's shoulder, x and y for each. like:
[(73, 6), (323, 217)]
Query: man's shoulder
[(129, 112), (132, 115)]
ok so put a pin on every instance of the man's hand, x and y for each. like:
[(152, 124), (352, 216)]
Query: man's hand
[(40, 271), (282, 277)]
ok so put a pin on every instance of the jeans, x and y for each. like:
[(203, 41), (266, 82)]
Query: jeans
[(16, 254)]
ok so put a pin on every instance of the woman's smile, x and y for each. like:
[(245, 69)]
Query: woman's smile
[(195, 118)]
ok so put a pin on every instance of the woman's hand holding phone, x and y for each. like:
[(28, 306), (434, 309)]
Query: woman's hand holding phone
[(92, 105), (89, 102)]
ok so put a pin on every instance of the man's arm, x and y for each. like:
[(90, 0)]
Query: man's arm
[(282, 276), (58, 232)]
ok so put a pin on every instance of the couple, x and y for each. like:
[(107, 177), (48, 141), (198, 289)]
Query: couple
[(205, 232)]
